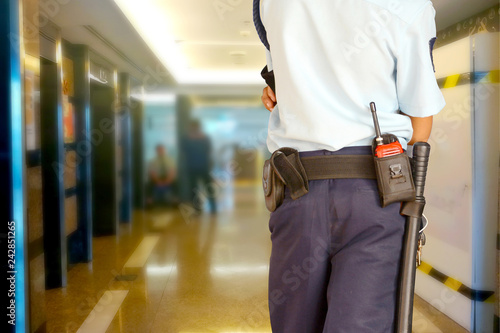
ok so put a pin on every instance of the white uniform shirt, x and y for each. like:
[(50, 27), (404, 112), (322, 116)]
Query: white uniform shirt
[(331, 58)]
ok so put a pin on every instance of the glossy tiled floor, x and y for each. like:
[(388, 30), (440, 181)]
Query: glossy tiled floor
[(170, 271)]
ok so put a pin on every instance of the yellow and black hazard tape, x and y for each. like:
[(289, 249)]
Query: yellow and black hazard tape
[(474, 295), (466, 78)]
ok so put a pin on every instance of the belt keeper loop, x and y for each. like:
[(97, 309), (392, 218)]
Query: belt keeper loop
[(287, 165)]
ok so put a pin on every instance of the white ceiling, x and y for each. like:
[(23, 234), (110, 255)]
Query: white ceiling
[(199, 41), (107, 19), (204, 38), (208, 36)]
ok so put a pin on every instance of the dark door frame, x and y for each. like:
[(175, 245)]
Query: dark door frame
[(12, 164)]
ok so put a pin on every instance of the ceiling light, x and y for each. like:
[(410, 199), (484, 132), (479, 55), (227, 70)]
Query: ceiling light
[(238, 57), (156, 98), (152, 22)]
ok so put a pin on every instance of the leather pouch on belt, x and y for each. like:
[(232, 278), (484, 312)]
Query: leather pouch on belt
[(283, 168), (394, 177), (274, 188)]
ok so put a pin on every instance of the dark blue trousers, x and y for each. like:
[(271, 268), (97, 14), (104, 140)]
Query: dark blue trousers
[(335, 258)]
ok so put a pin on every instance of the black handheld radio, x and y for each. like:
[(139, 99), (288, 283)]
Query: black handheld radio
[(392, 166)]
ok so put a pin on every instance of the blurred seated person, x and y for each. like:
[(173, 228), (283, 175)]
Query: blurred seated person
[(162, 174)]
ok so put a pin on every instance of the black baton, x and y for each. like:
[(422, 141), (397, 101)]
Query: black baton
[(421, 151)]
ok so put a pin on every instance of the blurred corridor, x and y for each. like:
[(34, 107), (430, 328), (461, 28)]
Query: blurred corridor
[(169, 273)]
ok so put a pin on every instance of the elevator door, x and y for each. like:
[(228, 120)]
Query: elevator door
[(52, 153), (102, 136)]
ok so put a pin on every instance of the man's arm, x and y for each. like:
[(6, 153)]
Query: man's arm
[(172, 174), (154, 177), (421, 129)]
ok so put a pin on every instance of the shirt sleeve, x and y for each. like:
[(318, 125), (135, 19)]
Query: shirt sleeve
[(269, 60), (418, 92)]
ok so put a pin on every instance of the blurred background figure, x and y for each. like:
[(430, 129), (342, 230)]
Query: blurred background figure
[(197, 149), (162, 174)]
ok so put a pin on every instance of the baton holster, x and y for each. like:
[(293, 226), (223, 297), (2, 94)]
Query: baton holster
[(394, 175), (283, 168), (268, 76)]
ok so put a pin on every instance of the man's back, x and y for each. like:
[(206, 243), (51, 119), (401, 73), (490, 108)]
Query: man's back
[(331, 58), (336, 251)]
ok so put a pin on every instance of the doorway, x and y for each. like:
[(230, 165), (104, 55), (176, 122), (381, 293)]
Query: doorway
[(104, 166)]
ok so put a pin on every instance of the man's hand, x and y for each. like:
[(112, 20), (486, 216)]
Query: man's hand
[(268, 98), (421, 129)]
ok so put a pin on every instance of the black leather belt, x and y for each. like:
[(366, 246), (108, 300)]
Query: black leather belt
[(339, 167), (295, 172), (287, 168)]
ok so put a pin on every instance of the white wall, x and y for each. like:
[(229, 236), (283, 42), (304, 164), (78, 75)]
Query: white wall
[(463, 185)]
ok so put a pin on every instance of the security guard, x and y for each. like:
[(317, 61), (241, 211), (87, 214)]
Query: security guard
[(335, 252)]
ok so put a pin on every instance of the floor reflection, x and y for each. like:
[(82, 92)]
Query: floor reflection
[(169, 273)]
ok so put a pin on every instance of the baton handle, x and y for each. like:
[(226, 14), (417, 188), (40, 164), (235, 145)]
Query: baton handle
[(421, 152)]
